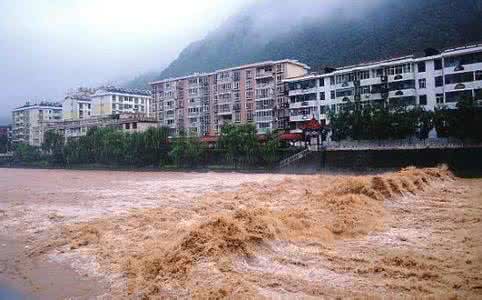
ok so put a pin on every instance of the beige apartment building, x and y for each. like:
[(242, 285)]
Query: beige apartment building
[(27, 121), (77, 104), (108, 101), (200, 104)]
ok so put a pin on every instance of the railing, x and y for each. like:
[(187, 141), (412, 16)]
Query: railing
[(293, 158), (433, 143)]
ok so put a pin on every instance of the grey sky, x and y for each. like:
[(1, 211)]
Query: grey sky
[(50, 46)]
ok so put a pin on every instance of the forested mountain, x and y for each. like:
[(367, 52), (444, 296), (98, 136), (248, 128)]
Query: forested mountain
[(331, 33)]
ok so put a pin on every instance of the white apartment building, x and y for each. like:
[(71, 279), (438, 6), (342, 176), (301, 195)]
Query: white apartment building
[(111, 100), (201, 104), (78, 104), (126, 122), (431, 80), (27, 121), (76, 107)]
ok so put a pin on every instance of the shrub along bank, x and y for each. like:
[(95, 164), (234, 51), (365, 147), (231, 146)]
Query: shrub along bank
[(238, 147)]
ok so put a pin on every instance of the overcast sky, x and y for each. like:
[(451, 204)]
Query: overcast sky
[(50, 46)]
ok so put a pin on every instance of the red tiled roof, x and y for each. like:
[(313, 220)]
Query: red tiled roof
[(312, 124)]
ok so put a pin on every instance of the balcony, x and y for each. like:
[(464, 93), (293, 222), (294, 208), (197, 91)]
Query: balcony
[(260, 75), (402, 93), (298, 92), (312, 103)]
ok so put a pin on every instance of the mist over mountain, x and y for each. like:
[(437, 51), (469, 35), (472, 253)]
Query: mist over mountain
[(333, 33)]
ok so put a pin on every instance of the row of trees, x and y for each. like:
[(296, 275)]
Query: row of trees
[(238, 145), (381, 122), (109, 146), (4, 144)]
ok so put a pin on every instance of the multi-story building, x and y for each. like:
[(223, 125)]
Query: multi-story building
[(108, 101), (76, 107), (78, 104), (127, 122), (27, 121), (201, 104), (434, 79)]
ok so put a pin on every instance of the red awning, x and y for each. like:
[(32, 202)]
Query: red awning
[(209, 139), (312, 124), (291, 137)]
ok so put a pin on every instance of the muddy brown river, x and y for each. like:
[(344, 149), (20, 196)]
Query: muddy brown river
[(101, 234)]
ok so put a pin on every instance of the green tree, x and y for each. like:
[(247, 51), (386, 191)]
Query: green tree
[(53, 146), (187, 151), (270, 151), (4, 144), (240, 143), (467, 121), (26, 153)]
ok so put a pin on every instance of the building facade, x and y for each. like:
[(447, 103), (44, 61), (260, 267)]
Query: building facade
[(431, 80), (27, 121), (126, 122), (78, 104), (108, 101), (200, 104)]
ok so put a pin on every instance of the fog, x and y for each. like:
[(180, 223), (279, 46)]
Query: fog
[(50, 46)]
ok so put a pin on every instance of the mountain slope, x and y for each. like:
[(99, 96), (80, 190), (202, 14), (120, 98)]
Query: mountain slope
[(323, 33)]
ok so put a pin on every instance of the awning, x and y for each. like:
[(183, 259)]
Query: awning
[(209, 139), (291, 137)]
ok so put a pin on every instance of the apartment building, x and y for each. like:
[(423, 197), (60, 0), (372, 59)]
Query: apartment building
[(429, 80), (78, 104), (126, 122), (27, 121), (200, 104), (111, 101)]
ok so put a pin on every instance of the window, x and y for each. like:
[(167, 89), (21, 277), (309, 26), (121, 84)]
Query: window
[(402, 85), (322, 96), (459, 78), (236, 76), (332, 80), (363, 75), (134, 125), (365, 89), (438, 64), (322, 81), (456, 96), (421, 67), (478, 75), (128, 126), (422, 83), (344, 93), (422, 100), (478, 94), (465, 59), (403, 101), (439, 81), (332, 94), (249, 75)]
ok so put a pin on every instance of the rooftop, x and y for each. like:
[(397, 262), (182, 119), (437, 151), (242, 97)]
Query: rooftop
[(40, 104), (388, 61), (112, 89), (254, 65)]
